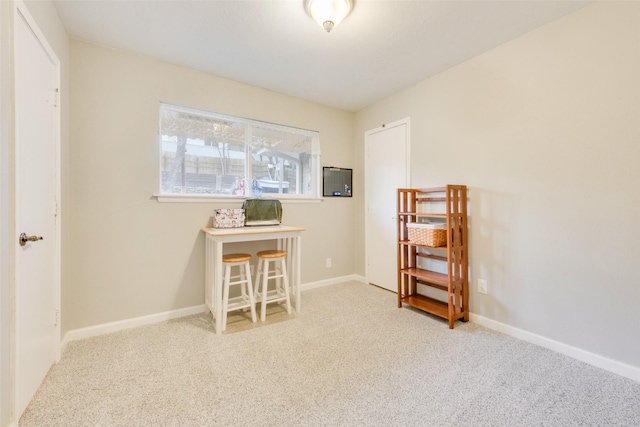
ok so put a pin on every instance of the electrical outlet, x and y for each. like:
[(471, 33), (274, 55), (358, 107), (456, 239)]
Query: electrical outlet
[(327, 263), (482, 286), (251, 269)]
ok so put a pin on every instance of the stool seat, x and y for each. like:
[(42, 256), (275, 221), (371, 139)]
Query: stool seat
[(271, 253), (245, 300), (281, 291), (236, 257)]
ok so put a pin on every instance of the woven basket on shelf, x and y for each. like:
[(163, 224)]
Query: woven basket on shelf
[(432, 237)]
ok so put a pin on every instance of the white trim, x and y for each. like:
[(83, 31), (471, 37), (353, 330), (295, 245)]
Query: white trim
[(205, 198), (7, 227), (121, 325), (332, 281), (619, 368), (607, 364)]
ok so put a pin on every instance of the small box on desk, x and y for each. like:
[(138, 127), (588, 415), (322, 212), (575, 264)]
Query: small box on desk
[(228, 218)]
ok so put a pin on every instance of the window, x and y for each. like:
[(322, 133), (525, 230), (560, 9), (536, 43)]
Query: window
[(213, 154)]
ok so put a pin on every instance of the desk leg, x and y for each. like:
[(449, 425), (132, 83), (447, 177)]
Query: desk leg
[(207, 273), (292, 246), (217, 285), (297, 243)]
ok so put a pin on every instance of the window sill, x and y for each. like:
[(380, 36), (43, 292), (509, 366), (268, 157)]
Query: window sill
[(206, 198)]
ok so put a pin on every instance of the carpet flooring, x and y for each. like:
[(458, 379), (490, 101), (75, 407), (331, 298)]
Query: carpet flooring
[(350, 358)]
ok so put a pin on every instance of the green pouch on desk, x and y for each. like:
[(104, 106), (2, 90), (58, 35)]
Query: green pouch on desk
[(262, 212)]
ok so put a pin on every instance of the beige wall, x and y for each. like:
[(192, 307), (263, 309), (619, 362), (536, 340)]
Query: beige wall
[(132, 256), (545, 132)]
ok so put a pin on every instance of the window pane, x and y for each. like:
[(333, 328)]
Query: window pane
[(208, 153)]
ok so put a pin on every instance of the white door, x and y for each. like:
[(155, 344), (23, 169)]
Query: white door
[(386, 170), (36, 130)]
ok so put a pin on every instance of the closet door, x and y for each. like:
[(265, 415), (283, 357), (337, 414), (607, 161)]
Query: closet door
[(386, 170)]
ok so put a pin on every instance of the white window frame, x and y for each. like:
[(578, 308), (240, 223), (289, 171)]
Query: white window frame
[(313, 196)]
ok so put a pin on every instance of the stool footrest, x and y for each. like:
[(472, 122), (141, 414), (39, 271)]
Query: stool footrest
[(272, 296), (237, 303)]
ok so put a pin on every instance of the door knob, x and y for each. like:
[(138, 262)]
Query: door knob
[(24, 239)]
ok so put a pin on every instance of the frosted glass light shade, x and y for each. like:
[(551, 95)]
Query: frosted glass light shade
[(328, 13)]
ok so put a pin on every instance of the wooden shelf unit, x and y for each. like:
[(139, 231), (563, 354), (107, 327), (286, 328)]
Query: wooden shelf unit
[(448, 203)]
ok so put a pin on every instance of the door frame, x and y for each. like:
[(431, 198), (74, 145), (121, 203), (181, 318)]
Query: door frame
[(7, 235), (20, 11), (404, 121)]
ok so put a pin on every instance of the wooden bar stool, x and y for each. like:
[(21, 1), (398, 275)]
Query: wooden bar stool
[(280, 293), (245, 300)]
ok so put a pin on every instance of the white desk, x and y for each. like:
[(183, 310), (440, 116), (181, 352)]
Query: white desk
[(288, 238)]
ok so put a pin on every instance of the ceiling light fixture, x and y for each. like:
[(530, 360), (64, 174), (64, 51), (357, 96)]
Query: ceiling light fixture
[(328, 13)]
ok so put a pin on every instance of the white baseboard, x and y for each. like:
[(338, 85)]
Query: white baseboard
[(332, 281), (107, 328), (619, 368)]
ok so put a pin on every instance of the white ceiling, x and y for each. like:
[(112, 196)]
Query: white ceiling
[(381, 48)]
